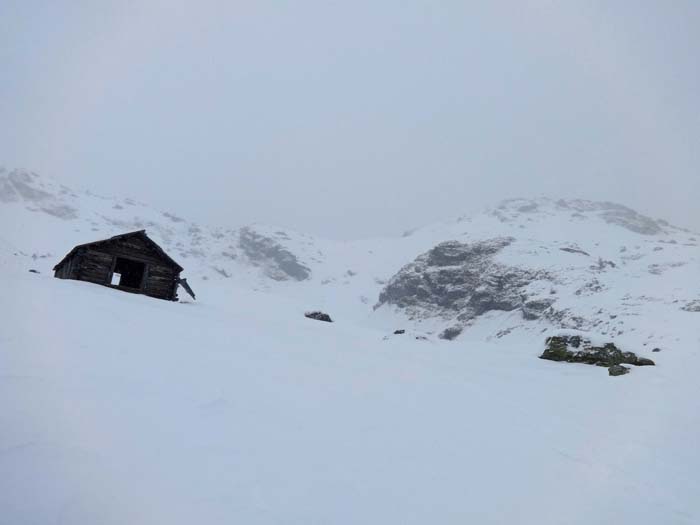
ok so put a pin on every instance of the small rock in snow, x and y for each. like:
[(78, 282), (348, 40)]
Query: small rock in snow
[(618, 370), (319, 316)]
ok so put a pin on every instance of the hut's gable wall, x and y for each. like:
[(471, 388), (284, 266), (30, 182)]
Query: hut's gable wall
[(133, 248), (67, 270)]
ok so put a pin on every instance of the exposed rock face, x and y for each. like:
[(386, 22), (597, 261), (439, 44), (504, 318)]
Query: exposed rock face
[(463, 281), (280, 264), (319, 316), (575, 349), (535, 309)]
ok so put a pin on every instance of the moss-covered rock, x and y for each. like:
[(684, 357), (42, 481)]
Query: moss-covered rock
[(575, 349)]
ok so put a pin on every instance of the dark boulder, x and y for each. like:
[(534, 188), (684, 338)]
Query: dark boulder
[(618, 370), (450, 333), (399, 332), (319, 316)]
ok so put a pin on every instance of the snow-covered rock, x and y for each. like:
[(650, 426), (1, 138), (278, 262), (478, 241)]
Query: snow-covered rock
[(279, 263), (460, 282)]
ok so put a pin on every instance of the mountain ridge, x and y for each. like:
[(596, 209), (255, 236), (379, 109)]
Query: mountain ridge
[(561, 258)]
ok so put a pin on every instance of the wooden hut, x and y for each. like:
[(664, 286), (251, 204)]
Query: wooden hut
[(131, 262)]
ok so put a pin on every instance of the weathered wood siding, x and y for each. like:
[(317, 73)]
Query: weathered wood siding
[(132, 248), (63, 272), (160, 281), (69, 270), (95, 266)]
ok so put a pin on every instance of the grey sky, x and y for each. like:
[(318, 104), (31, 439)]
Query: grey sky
[(349, 119)]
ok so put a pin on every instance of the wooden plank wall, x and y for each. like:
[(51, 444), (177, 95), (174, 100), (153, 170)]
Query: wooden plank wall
[(160, 281), (69, 269), (95, 267)]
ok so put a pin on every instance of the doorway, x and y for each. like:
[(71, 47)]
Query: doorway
[(130, 273)]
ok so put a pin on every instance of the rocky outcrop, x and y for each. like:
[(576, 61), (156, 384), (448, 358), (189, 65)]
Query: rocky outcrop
[(463, 281), (279, 263), (536, 308), (576, 349)]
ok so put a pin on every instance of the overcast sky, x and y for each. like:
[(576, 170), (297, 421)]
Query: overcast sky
[(350, 119)]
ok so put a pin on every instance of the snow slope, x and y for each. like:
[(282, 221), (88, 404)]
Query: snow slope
[(118, 408)]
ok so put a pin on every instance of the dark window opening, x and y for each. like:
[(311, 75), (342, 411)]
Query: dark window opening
[(130, 273)]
